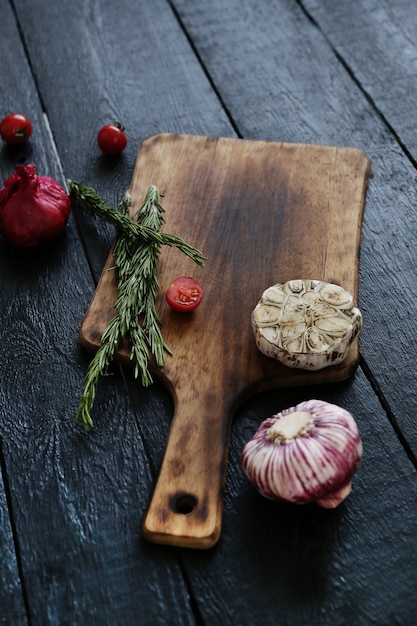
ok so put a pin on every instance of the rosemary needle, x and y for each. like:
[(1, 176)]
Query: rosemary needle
[(136, 251), (91, 202)]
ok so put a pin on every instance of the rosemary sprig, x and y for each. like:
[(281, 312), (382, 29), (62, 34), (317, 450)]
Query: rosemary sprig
[(91, 202), (136, 256)]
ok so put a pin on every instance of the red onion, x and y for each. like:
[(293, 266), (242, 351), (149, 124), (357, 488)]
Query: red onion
[(33, 209), (304, 454)]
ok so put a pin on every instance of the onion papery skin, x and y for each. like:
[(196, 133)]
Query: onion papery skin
[(33, 209), (315, 466)]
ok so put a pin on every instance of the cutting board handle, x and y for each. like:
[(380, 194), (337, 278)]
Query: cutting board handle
[(187, 504)]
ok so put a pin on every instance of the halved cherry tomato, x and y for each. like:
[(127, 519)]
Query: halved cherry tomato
[(185, 294), (112, 139), (15, 129)]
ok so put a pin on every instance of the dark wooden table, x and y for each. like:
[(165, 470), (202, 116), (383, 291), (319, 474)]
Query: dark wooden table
[(71, 503)]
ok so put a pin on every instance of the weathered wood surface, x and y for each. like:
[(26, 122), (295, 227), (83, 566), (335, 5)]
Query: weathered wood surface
[(11, 596), (77, 500), (17, 91), (383, 33), (266, 212), (265, 70), (303, 90)]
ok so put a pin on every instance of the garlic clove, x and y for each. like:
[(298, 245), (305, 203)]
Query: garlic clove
[(306, 324), (305, 454)]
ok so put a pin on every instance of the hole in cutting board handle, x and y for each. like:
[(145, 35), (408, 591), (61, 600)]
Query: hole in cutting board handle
[(184, 503)]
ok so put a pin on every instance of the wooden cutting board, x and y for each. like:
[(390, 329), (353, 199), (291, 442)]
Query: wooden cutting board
[(262, 213)]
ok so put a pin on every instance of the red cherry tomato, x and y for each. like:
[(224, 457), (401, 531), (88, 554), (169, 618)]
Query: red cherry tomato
[(15, 129), (185, 294), (112, 139)]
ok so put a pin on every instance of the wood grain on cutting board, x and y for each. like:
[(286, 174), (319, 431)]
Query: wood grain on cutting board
[(262, 213)]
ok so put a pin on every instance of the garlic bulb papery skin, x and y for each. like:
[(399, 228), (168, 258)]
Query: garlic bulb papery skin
[(304, 454), (306, 324)]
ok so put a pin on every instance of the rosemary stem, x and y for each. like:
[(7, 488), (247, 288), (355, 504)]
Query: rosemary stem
[(91, 202)]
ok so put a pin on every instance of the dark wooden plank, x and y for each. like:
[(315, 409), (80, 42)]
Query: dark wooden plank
[(15, 93), (377, 43), (77, 499), (12, 603), (300, 92)]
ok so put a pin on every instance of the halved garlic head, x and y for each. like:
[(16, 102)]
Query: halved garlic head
[(307, 324)]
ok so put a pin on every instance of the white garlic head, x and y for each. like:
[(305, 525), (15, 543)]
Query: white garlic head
[(304, 454), (306, 324)]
